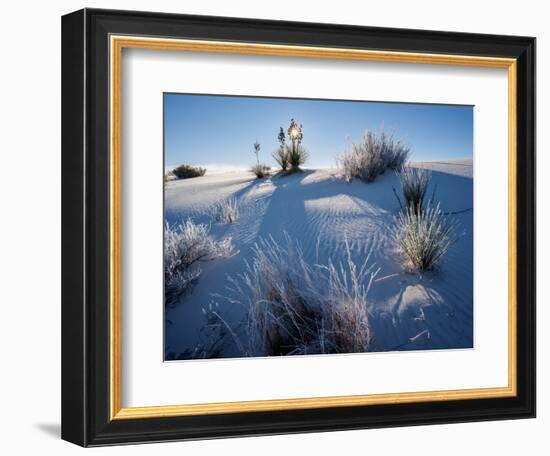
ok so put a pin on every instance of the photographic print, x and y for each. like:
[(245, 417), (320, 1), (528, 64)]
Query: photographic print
[(314, 227)]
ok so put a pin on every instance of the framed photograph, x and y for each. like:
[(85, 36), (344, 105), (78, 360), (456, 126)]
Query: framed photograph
[(279, 227)]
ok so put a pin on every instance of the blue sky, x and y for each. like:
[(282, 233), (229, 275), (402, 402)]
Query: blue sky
[(221, 130)]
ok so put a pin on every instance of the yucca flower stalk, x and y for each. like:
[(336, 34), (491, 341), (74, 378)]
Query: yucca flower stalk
[(257, 148), (292, 155)]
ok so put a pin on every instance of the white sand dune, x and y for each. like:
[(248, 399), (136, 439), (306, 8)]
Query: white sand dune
[(320, 210), (460, 167)]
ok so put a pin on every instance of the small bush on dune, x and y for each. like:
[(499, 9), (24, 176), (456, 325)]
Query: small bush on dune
[(295, 308), (397, 155), (187, 171), (362, 162), (185, 246), (365, 160), (424, 236), (226, 210), (260, 170), (370, 158), (414, 186)]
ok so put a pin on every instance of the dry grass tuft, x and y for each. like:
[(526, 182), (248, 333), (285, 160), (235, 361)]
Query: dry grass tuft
[(370, 157), (185, 247), (424, 236), (226, 210), (296, 308)]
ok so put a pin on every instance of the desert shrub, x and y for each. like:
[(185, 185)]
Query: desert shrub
[(397, 155), (369, 158), (414, 186), (185, 246), (349, 164), (187, 171), (365, 160), (260, 170), (226, 210), (424, 236), (297, 156), (281, 157), (295, 308)]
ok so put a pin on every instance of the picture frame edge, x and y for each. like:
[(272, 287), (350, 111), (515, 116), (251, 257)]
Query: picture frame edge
[(86, 417)]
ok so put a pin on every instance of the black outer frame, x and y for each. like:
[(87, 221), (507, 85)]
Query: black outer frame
[(85, 227)]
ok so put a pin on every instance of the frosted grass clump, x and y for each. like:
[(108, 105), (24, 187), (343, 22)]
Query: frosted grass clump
[(370, 157), (185, 246), (365, 160), (424, 236), (226, 211), (296, 308)]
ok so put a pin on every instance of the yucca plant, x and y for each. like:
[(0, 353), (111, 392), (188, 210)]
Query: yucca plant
[(424, 236), (281, 157), (414, 186), (292, 155), (297, 156)]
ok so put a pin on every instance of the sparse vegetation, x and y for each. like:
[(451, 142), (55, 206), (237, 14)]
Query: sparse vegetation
[(370, 158), (185, 246), (295, 308), (397, 155), (278, 299), (187, 171), (290, 156), (257, 148), (297, 156), (282, 158), (414, 186), (261, 170), (424, 236), (226, 210)]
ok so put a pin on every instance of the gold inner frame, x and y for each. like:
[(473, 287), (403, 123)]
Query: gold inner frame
[(117, 44)]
